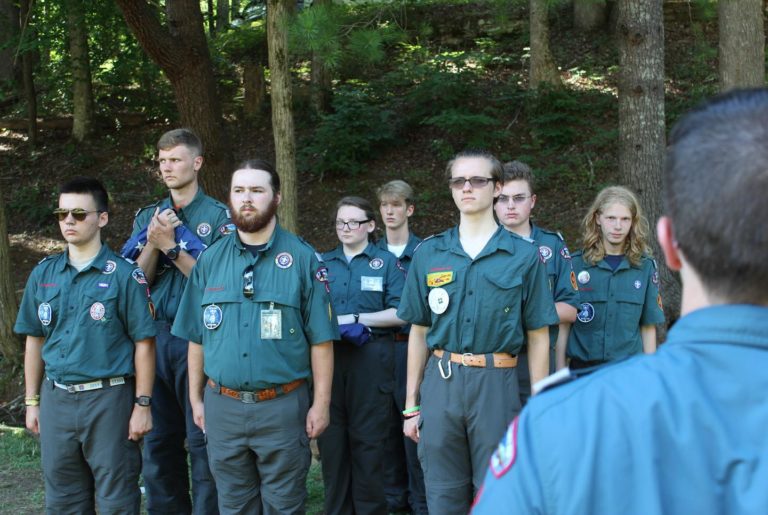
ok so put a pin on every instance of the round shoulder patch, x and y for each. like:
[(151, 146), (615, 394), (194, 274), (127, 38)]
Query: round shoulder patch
[(109, 267), (212, 316), (376, 263), (504, 456), (45, 313), (565, 253), (284, 260), (586, 312), (204, 229), (546, 253)]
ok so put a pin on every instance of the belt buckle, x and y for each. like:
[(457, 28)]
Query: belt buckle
[(248, 397), (466, 355), (71, 388)]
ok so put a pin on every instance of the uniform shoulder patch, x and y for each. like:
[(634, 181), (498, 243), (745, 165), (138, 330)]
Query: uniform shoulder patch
[(46, 258), (504, 456)]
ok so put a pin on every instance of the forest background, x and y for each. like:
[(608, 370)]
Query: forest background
[(343, 97)]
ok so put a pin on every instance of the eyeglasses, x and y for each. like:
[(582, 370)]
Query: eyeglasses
[(77, 213), (248, 282), (353, 225), (458, 183), (517, 199)]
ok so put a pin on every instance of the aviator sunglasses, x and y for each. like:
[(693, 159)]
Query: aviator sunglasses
[(77, 213)]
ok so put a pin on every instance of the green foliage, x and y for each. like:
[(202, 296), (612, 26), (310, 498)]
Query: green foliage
[(34, 202), (359, 125)]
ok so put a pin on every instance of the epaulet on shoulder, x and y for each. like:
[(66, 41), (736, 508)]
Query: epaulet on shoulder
[(516, 236), (561, 377), (652, 260), (46, 258), (422, 242), (129, 260), (553, 233), (148, 206), (218, 203), (310, 247)]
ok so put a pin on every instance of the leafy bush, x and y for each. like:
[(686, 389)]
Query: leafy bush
[(360, 124)]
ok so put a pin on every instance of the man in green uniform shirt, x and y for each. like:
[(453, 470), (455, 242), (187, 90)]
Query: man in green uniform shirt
[(89, 362), (167, 238), (258, 318), (513, 209), (472, 293)]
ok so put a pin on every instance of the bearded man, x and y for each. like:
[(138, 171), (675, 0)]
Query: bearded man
[(257, 315)]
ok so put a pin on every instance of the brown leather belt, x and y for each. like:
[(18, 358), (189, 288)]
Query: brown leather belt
[(401, 337), (259, 395), (500, 359)]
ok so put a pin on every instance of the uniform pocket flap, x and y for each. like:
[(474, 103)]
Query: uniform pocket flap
[(504, 281)]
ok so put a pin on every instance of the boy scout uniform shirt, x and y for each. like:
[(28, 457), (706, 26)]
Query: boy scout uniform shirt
[(90, 319), (491, 300), (369, 283), (207, 218), (404, 261), (562, 280), (678, 431), (614, 305), (262, 341)]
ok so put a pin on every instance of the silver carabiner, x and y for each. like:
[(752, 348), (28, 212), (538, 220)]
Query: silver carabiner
[(442, 373)]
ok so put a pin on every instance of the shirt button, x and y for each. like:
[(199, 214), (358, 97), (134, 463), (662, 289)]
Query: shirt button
[(246, 382), (469, 292), (506, 310), (469, 320), (292, 330), (245, 354), (245, 324)]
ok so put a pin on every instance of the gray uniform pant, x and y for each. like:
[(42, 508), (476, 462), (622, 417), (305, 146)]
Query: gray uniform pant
[(462, 420), (85, 450), (259, 453), (353, 447)]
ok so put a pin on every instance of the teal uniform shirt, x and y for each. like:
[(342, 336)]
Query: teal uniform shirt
[(90, 319), (614, 305), (492, 300), (262, 341), (562, 280), (369, 283), (207, 218), (403, 263)]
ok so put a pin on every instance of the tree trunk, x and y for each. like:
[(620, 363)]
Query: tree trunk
[(222, 15), (211, 19), (742, 44), (254, 87), (543, 69), (181, 51), (320, 78), (278, 14), (82, 91), (27, 77), (641, 120), (10, 344), (589, 15), (9, 30)]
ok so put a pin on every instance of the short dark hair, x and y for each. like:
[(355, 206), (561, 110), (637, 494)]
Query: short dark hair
[(496, 168), (178, 137), (715, 179), (88, 186), (518, 171), (265, 166)]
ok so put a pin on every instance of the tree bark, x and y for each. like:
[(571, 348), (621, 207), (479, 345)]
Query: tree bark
[(278, 14), (641, 120), (589, 15), (741, 49), (82, 90), (9, 30), (222, 15), (543, 69), (320, 78), (10, 344), (27, 66), (254, 87), (181, 51)]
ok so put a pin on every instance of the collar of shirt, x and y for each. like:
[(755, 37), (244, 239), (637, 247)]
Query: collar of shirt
[(100, 261), (338, 253), (502, 240)]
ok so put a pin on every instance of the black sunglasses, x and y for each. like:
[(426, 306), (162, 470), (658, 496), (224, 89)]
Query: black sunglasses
[(77, 213), (248, 282)]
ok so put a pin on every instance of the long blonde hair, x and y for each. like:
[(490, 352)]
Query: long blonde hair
[(636, 244)]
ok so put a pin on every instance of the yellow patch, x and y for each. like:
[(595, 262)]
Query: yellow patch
[(439, 278), (658, 301), (573, 281)]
